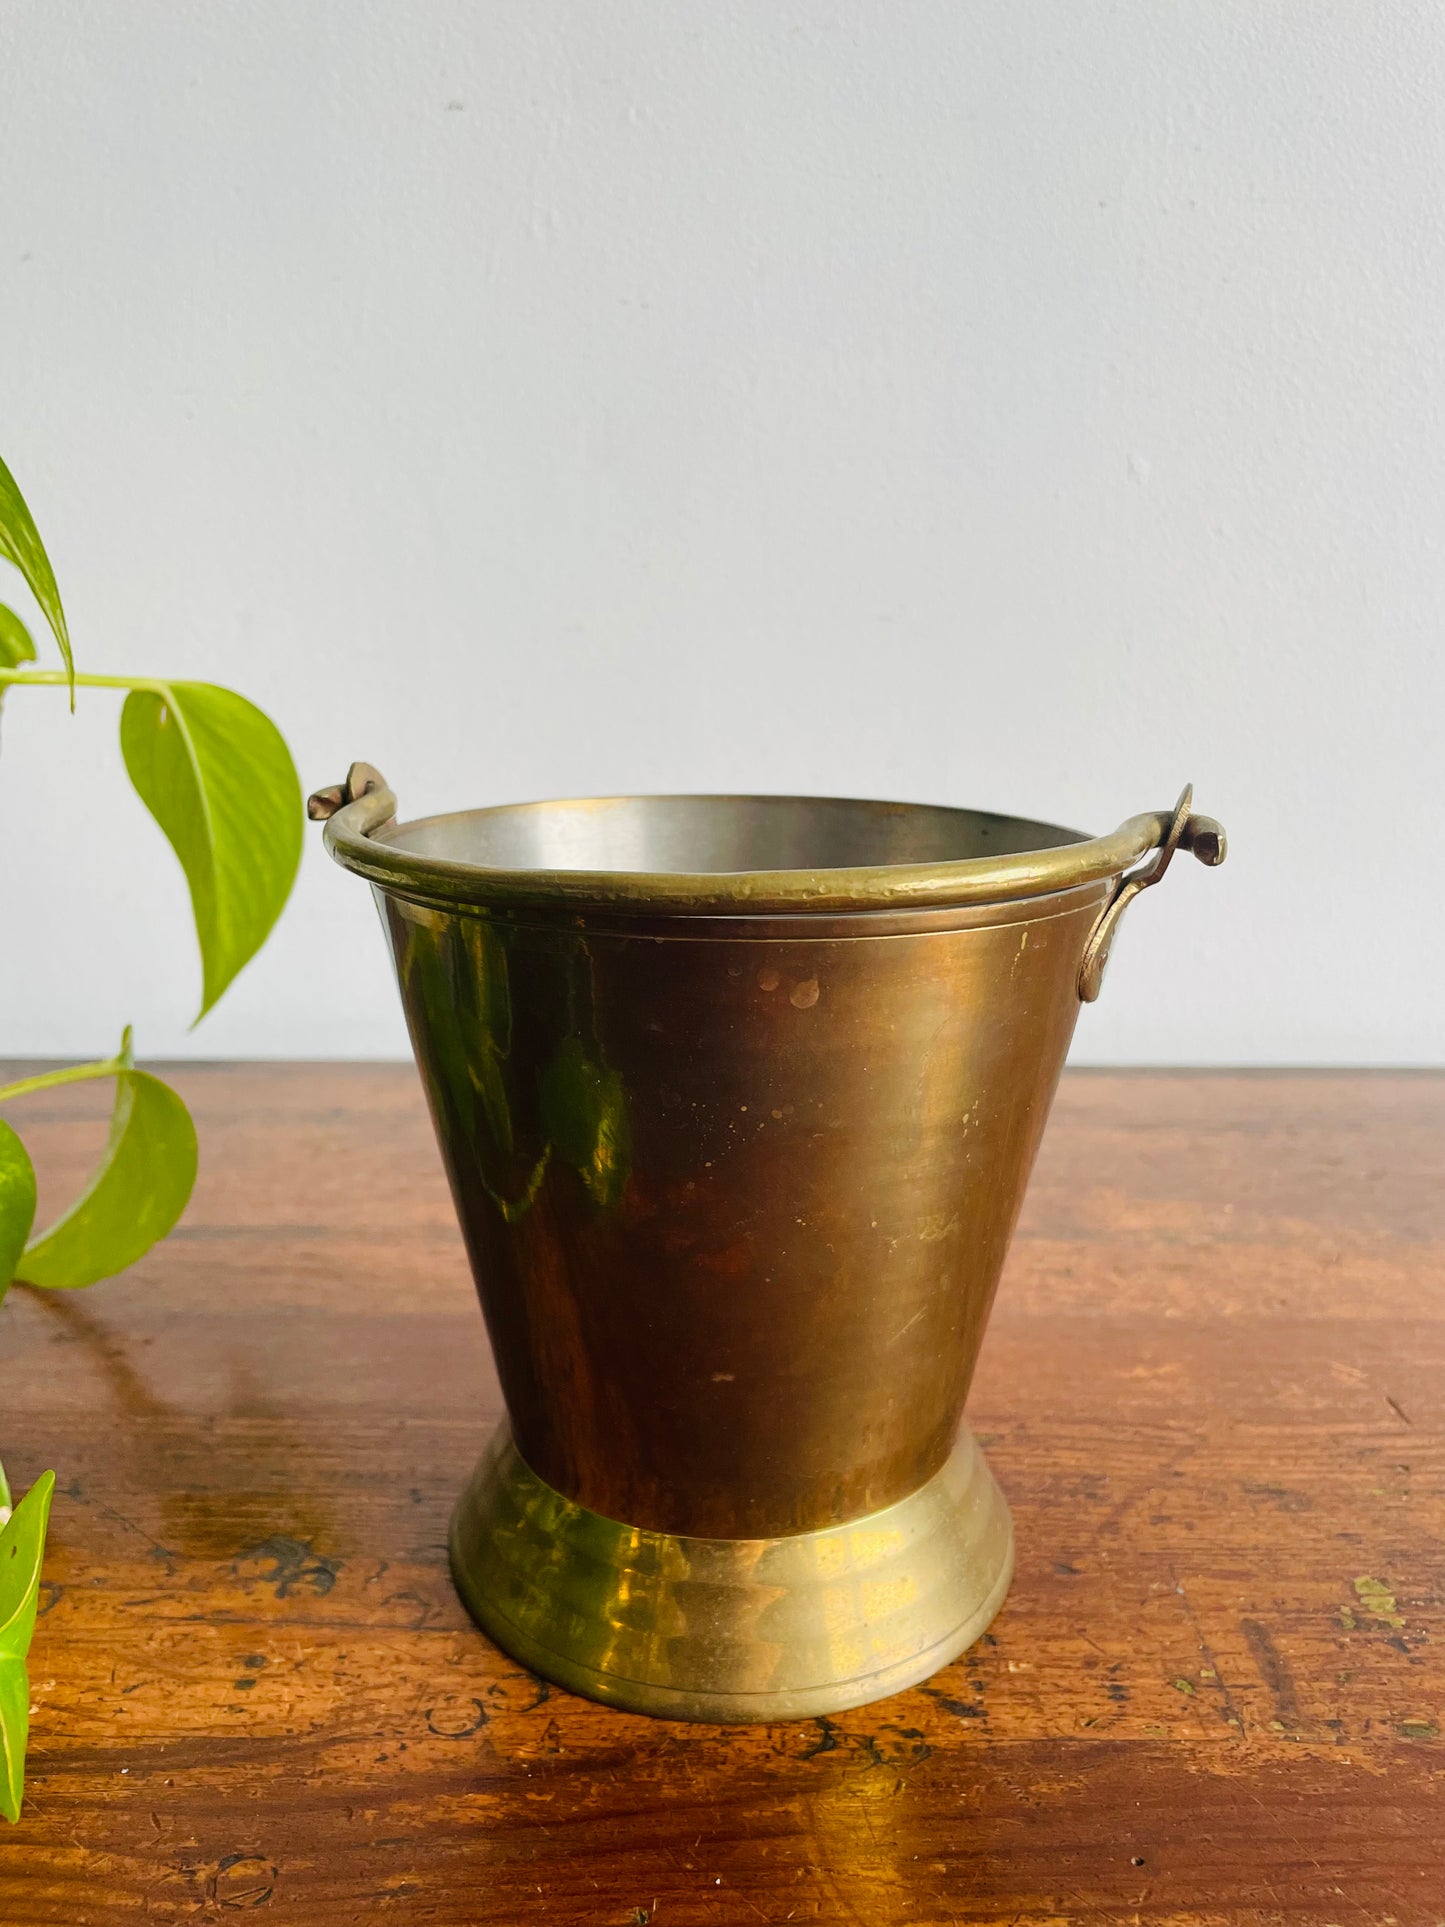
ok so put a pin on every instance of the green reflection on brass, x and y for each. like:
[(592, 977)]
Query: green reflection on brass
[(585, 1112), (458, 987)]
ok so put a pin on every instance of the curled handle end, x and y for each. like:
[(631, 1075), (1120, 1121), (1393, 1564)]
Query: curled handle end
[(1200, 835), (358, 807), (1205, 839)]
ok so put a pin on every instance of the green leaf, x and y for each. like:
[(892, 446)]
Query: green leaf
[(17, 1207), (14, 1730), (20, 543), (137, 1193), (15, 643), (217, 776), (22, 1546)]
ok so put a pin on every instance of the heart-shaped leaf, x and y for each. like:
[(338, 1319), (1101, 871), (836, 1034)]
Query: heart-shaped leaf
[(22, 1546), (17, 1207), (138, 1191), (217, 776), (15, 642), (20, 543)]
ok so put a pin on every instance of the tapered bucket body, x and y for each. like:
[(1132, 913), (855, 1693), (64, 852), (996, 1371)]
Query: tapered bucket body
[(738, 1098)]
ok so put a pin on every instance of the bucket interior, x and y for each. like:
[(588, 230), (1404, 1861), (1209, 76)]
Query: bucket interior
[(720, 835)]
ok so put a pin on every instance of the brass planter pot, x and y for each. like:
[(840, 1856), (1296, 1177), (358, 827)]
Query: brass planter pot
[(738, 1097)]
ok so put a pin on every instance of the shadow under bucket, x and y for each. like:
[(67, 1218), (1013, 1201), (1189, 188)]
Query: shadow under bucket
[(738, 1097)]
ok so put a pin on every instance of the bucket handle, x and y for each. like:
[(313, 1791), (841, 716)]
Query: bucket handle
[(367, 804), (364, 792), (1184, 831)]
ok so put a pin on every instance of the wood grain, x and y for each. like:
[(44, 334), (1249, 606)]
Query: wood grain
[(1214, 1390)]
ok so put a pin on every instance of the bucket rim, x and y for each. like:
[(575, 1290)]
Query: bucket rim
[(362, 834)]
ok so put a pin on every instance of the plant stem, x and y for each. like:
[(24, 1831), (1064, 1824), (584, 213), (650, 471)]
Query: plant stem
[(74, 1075), (57, 679)]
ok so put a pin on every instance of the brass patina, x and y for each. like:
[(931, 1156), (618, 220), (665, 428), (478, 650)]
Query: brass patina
[(738, 1097)]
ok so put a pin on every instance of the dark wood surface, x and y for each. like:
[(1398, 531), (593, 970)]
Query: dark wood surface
[(1214, 1390)]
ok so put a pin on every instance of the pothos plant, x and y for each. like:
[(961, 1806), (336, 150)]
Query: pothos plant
[(217, 777)]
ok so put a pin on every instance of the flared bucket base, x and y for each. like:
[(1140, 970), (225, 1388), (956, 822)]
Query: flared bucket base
[(732, 1629)]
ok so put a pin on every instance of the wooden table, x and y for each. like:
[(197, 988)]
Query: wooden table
[(1214, 1390)]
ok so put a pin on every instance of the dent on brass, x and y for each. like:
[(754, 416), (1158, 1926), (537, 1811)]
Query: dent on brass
[(737, 1144)]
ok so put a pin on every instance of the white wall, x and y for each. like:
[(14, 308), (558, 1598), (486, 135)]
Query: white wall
[(1022, 405)]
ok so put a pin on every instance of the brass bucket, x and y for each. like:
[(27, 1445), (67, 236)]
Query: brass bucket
[(738, 1097)]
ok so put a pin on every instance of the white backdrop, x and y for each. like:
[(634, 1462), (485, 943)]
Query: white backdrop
[(1026, 406)]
